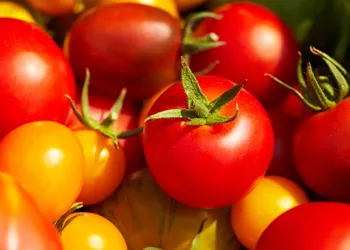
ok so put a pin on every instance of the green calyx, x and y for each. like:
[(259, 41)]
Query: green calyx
[(106, 126), (199, 110), (62, 222), (317, 91)]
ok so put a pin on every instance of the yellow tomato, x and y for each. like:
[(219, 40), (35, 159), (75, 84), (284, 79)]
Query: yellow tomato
[(15, 10), (53, 7), (273, 196), (88, 231), (184, 5), (166, 5)]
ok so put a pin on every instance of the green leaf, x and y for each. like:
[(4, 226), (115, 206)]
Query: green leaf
[(173, 113), (115, 110)]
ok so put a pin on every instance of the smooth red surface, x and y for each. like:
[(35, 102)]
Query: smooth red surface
[(34, 76), (257, 42), (208, 166), (311, 226), (126, 45), (321, 151), (22, 224)]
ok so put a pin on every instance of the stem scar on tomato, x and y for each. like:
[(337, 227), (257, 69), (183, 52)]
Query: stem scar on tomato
[(317, 92), (106, 126), (199, 110)]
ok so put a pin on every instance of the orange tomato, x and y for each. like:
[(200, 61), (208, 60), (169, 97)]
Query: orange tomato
[(184, 5), (48, 160), (273, 196), (104, 166), (88, 231), (166, 5), (53, 7), (15, 10)]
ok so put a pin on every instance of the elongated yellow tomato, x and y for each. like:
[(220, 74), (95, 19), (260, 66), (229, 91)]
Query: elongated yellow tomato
[(184, 5), (15, 10), (273, 196), (166, 5), (89, 231), (53, 7), (104, 166)]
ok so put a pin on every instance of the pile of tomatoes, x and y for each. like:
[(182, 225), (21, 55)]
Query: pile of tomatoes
[(219, 107)]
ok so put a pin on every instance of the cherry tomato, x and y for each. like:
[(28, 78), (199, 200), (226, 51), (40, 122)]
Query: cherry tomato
[(257, 42), (35, 76), (185, 5), (47, 158), (104, 166), (311, 226), (125, 45), (127, 120), (208, 166), (15, 10), (269, 199), (53, 7), (90, 231), (166, 5), (22, 223)]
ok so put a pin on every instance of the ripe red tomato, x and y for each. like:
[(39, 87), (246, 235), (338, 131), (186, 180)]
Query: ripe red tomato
[(127, 120), (257, 42), (208, 166), (48, 160), (311, 226), (321, 152), (34, 76), (125, 45), (22, 223)]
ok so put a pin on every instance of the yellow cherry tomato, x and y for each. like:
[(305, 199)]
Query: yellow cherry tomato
[(15, 10), (273, 196), (184, 5), (104, 166), (88, 231), (166, 5), (53, 7)]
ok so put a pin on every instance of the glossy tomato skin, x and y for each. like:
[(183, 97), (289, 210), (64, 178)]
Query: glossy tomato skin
[(321, 152), (87, 226), (47, 158), (126, 45), (208, 166), (22, 223), (53, 7), (311, 226), (35, 76), (127, 120), (257, 42)]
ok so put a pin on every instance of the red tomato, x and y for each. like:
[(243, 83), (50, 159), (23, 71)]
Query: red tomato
[(128, 119), (208, 166), (257, 42), (22, 223), (321, 152), (282, 163), (34, 76), (311, 226), (125, 45)]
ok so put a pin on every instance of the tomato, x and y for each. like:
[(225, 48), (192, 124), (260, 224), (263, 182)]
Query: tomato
[(166, 5), (322, 154), (127, 120), (282, 163), (53, 7), (90, 231), (311, 226), (257, 42), (15, 10), (35, 76), (47, 158), (22, 223), (185, 5), (208, 166), (104, 166), (273, 196), (125, 45)]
